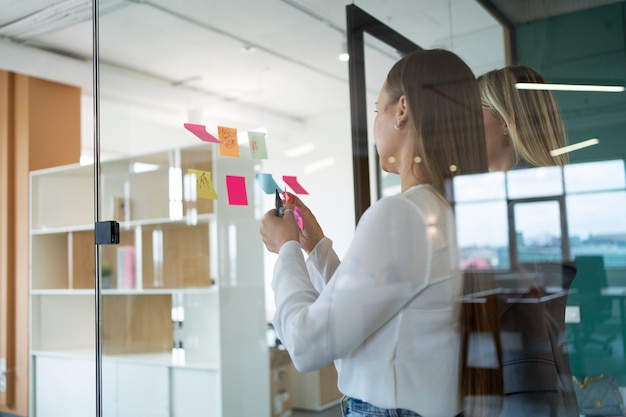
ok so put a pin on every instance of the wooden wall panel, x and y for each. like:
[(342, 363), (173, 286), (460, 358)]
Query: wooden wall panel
[(7, 261), (54, 124), (39, 128)]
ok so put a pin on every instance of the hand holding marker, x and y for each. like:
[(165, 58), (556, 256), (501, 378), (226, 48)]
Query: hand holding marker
[(280, 208)]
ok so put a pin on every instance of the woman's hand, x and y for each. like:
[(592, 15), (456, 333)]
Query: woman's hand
[(276, 231), (311, 232)]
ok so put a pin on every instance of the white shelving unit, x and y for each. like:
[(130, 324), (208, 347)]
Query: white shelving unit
[(199, 263)]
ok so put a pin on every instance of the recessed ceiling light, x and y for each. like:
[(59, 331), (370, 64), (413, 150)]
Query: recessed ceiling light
[(570, 87), (139, 167), (575, 147), (344, 55)]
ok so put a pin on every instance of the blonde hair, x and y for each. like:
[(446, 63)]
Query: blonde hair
[(444, 100), (532, 116)]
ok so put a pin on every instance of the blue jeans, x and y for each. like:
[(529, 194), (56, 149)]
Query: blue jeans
[(351, 407)]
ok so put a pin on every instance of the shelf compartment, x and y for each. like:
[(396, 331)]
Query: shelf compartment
[(182, 260), (63, 322), (136, 324), (133, 189), (60, 209), (50, 261)]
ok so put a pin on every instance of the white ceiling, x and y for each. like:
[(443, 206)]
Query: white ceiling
[(196, 45)]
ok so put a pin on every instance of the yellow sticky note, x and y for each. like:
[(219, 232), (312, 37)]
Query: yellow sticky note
[(228, 137), (203, 184)]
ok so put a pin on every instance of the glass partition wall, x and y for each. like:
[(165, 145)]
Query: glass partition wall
[(203, 109)]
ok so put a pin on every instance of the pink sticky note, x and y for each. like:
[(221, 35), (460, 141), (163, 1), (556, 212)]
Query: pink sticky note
[(237, 194), (201, 133), (292, 182)]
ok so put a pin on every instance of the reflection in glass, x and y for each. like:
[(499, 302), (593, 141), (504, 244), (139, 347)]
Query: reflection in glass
[(597, 225), (479, 187), (538, 231), (157, 257), (190, 186), (176, 193), (534, 182), (483, 235), (594, 176)]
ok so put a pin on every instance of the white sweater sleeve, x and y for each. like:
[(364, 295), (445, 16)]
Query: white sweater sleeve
[(322, 263), (386, 266)]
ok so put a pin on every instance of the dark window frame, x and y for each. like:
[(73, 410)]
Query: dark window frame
[(358, 23)]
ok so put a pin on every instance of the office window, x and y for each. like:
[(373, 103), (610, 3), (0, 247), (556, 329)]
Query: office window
[(597, 225), (482, 224), (591, 197), (482, 229), (538, 231), (479, 187), (596, 203), (534, 182), (594, 176)]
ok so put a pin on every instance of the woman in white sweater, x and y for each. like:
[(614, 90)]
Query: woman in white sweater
[(387, 314)]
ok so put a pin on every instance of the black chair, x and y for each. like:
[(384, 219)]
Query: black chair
[(517, 360)]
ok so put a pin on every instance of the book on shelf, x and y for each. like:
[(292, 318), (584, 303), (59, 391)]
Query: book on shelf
[(126, 277)]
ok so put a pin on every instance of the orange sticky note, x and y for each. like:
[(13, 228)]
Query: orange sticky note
[(228, 137)]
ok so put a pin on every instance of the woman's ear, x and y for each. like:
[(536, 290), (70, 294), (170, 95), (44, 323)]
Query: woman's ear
[(506, 141), (402, 112)]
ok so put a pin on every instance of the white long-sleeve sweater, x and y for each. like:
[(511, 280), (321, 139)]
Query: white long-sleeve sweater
[(387, 314)]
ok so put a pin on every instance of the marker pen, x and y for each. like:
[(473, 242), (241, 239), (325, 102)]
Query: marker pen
[(280, 209)]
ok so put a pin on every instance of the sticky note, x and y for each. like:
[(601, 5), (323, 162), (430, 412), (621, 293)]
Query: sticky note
[(267, 183), (201, 133), (237, 194), (258, 148), (228, 137), (203, 184), (293, 183)]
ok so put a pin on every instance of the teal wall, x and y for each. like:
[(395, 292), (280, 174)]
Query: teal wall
[(586, 47)]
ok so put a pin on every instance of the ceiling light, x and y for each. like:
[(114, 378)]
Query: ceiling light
[(139, 167), (570, 87), (299, 150), (344, 56), (575, 147)]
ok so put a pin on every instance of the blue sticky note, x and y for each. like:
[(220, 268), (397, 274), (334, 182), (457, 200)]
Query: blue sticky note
[(267, 183)]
